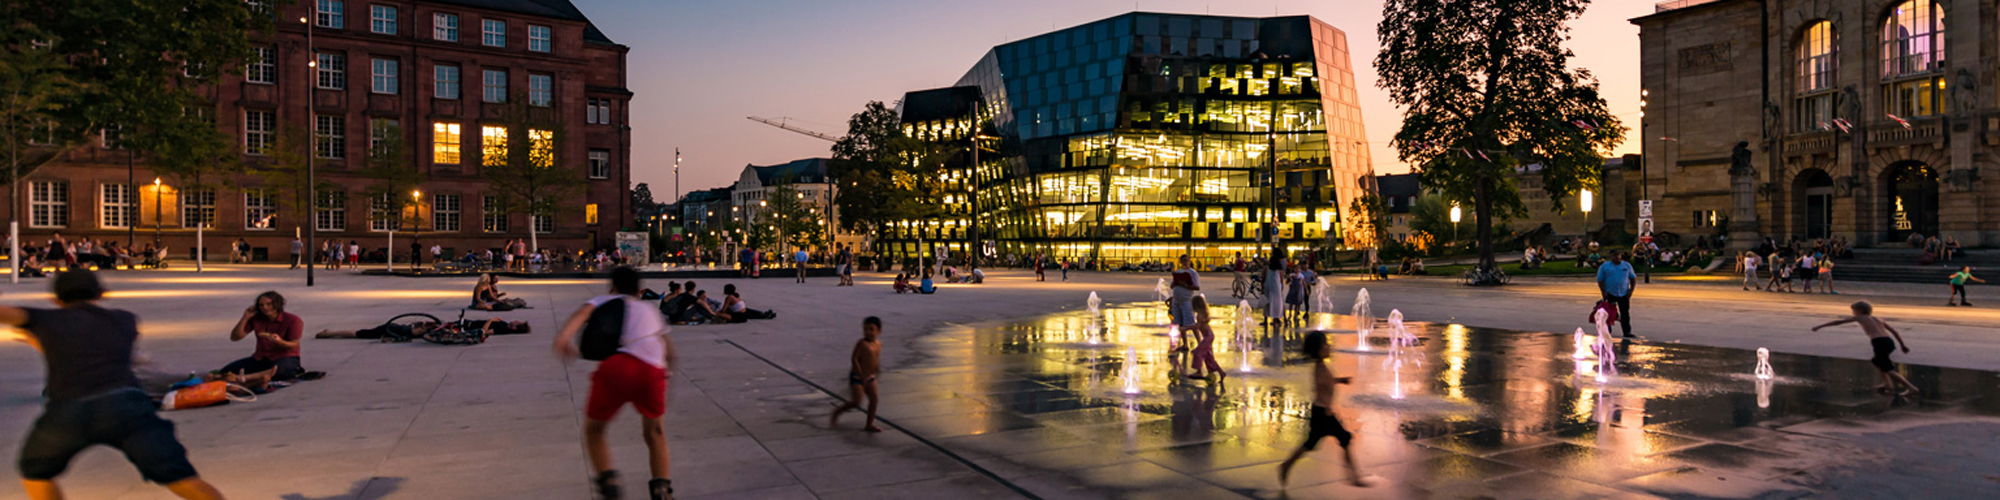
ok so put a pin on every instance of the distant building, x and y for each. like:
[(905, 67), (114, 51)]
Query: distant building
[(1145, 136), (1611, 204), (1399, 194), (809, 181)]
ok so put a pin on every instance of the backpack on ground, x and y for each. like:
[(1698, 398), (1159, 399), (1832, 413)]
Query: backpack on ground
[(603, 331)]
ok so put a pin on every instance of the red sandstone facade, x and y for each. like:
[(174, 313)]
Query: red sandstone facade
[(588, 93)]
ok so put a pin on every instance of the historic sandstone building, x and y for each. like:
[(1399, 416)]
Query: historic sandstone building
[(1866, 119)]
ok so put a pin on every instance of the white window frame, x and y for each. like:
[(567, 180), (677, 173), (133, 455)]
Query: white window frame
[(378, 131), (380, 207), (444, 26), (259, 204), (115, 207), (332, 70), (330, 136), (330, 14), (600, 163), (543, 224), (493, 33), (492, 215), (448, 84), (590, 111), (197, 207), (382, 19), (451, 130), (259, 130), (543, 95), (445, 210), (493, 85), (263, 67), (543, 42), (48, 204), (334, 216), (383, 75)]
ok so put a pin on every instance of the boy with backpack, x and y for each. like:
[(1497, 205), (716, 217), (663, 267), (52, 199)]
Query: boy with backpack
[(629, 340)]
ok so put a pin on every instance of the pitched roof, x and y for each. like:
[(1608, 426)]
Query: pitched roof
[(559, 9), (809, 170)]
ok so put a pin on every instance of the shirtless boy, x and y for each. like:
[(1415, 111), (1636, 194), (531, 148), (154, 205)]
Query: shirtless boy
[(864, 366), (1879, 336)]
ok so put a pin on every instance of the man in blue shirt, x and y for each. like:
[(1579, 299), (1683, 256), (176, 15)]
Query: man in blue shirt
[(1616, 280)]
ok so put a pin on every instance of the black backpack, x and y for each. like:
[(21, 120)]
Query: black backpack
[(604, 331)]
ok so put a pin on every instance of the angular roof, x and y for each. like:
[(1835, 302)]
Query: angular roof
[(940, 104), (559, 9), (809, 171)]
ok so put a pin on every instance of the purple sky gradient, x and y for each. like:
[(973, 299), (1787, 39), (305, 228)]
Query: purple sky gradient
[(698, 67)]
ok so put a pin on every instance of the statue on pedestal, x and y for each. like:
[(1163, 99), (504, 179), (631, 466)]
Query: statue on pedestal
[(1743, 228)]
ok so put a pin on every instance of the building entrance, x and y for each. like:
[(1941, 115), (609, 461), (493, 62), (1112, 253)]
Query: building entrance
[(1911, 202)]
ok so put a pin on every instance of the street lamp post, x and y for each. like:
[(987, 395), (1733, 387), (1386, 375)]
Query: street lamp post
[(312, 101), (157, 209)]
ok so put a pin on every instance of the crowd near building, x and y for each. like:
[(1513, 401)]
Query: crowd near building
[(1145, 136), (1877, 118), (350, 73)]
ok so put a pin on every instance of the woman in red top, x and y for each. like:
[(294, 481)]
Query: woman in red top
[(278, 334)]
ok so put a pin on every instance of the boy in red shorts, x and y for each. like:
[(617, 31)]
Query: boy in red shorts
[(637, 374)]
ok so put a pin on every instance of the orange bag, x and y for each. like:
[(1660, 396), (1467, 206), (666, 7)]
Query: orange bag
[(205, 394)]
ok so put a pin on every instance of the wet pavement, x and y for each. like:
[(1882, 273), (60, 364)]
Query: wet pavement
[(1084, 405)]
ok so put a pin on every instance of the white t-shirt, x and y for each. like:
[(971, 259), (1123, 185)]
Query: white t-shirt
[(644, 329)]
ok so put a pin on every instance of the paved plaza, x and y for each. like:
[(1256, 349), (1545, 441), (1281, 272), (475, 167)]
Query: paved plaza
[(1013, 389)]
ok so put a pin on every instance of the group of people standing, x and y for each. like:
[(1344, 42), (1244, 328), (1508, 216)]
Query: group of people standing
[(1785, 268)]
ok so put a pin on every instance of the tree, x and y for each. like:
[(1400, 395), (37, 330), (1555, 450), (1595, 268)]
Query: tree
[(642, 198), (35, 85), (1495, 95), (527, 169), (396, 178), (884, 175), (130, 64), (797, 223), (196, 155), (285, 175), (1370, 215)]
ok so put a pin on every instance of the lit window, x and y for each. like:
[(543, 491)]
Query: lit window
[(541, 148), (260, 210), (332, 71), (331, 14), (114, 205), (198, 208), (493, 32), (492, 145), (382, 76), (330, 136), (493, 85), (444, 212), (444, 143), (444, 27), (258, 130), (600, 164), (263, 66), (538, 38), (382, 19), (1913, 38), (332, 213), (589, 214), (541, 89), (48, 204), (447, 81)]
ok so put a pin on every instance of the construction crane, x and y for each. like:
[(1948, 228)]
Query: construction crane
[(780, 123)]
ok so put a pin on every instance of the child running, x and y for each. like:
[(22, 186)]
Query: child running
[(1323, 423), (863, 367), (93, 396), (637, 374), (1958, 280), (1879, 336), (1204, 337)]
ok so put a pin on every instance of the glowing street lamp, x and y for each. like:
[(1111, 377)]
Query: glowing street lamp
[(1456, 215)]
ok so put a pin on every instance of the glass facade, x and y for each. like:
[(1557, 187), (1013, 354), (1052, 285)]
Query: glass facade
[(1145, 136)]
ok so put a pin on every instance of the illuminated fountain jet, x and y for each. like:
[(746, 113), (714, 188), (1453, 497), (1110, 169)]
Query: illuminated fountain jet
[(1582, 346), (1399, 335), (1246, 325), (1164, 290), (1131, 375), (1764, 364), (1322, 304), (1364, 320), (1607, 356), (1095, 304)]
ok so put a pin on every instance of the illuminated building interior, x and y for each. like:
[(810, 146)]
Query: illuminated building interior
[(1145, 136)]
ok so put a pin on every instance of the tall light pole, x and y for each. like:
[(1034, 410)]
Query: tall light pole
[(157, 210), (312, 100)]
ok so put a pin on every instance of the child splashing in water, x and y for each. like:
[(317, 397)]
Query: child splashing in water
[(1880, 337)]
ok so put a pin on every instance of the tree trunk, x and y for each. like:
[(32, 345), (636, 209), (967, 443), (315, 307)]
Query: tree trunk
[(1483, 219)]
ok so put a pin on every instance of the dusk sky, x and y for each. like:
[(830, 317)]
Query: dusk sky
[(700, 67)]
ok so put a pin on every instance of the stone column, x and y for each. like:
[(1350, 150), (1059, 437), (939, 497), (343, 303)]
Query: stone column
[(1744, 230)]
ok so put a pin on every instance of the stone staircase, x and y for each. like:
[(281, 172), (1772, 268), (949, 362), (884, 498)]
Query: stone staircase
[(1900, 265)]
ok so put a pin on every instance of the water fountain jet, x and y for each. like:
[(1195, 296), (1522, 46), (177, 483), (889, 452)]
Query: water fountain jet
[(1095, 304), (1131, 375), (1364, 320), (1764, 364)]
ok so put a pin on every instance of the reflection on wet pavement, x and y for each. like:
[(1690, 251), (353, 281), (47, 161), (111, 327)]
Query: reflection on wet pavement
[(1463, 412)]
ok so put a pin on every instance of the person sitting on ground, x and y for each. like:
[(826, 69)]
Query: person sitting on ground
[(486, 296), (701, 309), (903, 283), (278, 335), (737, 309), (977, 276), (405, 332), (673, 293), (925, 285)]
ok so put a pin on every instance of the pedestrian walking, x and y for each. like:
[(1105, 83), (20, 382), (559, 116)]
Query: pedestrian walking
[(1616, 281), (1826, 274), (863, 366), (93, 397), (298, 253), (1749, 262), (1322, 423), (799, 259), (635, 353)]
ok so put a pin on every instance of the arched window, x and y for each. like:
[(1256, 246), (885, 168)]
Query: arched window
[(1818, 55), (1913, 59)]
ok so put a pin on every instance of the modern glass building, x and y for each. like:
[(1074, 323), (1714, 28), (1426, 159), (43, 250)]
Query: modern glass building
[(1144, 136)]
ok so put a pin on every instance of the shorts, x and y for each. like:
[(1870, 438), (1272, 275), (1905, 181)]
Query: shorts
[(124, 419), (288, 368), (855, 378), (1183, 313), (623, 379), (1884, 346), (1324, 425), (1808, 274)]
